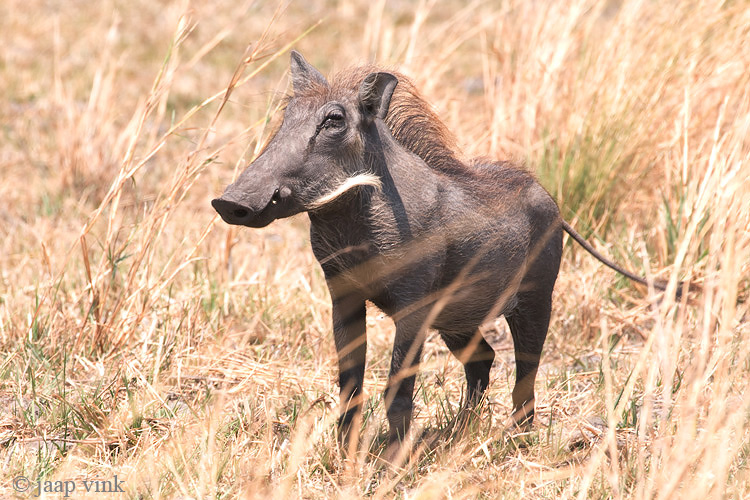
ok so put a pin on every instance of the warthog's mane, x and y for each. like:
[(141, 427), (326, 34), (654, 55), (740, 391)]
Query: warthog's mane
[(411, 120), (415, 125)]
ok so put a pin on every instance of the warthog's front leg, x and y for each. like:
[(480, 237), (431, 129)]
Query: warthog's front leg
[(349, 332), (407, 351)]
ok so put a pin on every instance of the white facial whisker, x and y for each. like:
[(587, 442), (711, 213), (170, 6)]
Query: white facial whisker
[(351, 182)]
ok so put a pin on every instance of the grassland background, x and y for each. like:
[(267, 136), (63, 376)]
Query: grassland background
[(139, 336)]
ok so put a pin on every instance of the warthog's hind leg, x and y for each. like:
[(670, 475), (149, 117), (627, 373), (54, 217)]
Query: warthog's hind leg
[(477, 357), (528, 323)]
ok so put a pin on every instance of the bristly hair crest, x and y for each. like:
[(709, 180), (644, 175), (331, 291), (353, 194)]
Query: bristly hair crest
[(415, 125), (411, 120)]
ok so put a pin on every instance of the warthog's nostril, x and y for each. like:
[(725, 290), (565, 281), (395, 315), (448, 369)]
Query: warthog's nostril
[(240, 213)]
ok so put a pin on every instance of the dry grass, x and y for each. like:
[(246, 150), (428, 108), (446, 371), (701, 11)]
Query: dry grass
[(191, 359)]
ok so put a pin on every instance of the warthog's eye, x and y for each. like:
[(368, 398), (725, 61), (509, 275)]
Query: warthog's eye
[(333, 119), (333, 122)]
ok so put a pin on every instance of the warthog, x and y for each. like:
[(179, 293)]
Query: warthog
[(397, 218)]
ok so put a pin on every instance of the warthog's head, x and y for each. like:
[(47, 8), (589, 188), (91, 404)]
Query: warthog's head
[(316, 155)]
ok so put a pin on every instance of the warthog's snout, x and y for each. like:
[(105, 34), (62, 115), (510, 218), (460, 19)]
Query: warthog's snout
[(231, 211), (235, 210)]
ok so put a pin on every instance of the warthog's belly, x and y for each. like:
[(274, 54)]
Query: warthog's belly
[(462, 311)]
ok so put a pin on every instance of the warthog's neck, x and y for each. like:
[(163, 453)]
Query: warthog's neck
[(384, 221)]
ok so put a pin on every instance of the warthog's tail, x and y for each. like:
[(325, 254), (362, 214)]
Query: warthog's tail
[(659, 285)]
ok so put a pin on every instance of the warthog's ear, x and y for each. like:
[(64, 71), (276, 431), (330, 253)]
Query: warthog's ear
[(304, 75), (375, 94)]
